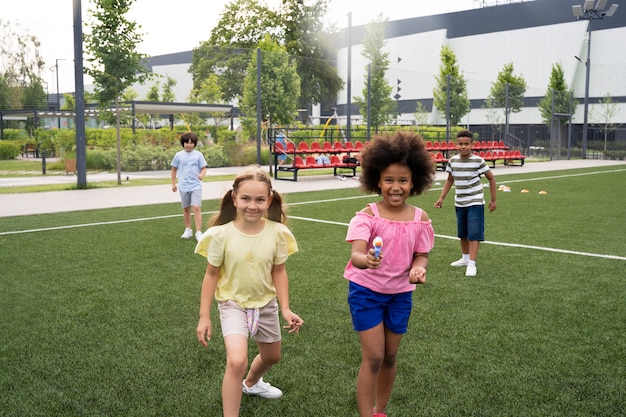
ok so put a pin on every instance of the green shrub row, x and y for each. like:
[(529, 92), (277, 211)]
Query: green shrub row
[(148, 158)]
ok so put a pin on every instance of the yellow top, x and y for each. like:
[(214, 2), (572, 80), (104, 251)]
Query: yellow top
[(246, 261)]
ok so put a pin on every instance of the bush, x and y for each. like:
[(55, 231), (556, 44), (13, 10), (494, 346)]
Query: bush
[(14, 134), (214, 156), (9, 150)]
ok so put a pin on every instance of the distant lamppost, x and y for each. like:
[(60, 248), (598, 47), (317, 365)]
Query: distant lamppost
[(56, 67), (590, 10)]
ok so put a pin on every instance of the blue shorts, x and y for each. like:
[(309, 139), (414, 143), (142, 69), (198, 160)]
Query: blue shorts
[(470, 222), (370, 308)]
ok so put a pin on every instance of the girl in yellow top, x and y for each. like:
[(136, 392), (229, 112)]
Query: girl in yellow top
[(246, 247)]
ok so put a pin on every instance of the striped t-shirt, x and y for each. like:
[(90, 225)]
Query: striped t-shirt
[(466, 173)]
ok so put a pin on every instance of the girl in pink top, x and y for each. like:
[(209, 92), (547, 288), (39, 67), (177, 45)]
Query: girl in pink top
[(380, 288)]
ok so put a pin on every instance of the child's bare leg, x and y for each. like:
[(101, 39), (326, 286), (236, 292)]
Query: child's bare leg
[(372, 356), (387, 374), (473, 249), (197, 217), (465, 246), (269, 354), (187, 217), (236, 365)]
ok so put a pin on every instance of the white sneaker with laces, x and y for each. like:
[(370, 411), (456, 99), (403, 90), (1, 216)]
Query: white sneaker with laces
[(198, 236), (460, 262), (262, 389), (470, 271), (188, 233)]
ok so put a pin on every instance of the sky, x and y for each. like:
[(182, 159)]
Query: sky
[(174, 26)]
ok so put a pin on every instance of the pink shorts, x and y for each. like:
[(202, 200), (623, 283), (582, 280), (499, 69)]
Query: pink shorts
[(234, 321)]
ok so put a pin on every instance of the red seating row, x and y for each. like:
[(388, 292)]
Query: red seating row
[(478, 145), (490, 145), (488, 156), (440, 146), (506, 156), (311, 162), (316, 147)]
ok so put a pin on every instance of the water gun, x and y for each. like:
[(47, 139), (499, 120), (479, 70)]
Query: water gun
[(378, 245)]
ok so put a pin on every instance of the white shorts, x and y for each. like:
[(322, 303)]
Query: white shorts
[(234, 321)]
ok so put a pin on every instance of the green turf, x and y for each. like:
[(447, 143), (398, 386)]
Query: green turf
[(99, 319)]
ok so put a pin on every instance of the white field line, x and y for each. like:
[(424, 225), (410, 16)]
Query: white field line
[(516, 245)]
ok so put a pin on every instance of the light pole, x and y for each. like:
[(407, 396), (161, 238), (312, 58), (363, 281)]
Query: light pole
[(590, 10), (56, 68)]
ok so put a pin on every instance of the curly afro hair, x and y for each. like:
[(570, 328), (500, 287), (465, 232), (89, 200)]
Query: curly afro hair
[(404, 147)]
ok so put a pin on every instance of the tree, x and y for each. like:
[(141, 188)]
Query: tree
[(243, 24), (152, 95), (303, 25), (508, 93), (516, 90), (456, 93), (296, 25), (603, 116), (69, 103), (115, 62), (422, 116), (558, 99), (167, 93), (210, 93), (493, 116), (21, 68), (557, 90), (280, 85), (382, 107)]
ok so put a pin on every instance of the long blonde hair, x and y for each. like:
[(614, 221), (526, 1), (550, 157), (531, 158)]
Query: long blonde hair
[(228, 211)]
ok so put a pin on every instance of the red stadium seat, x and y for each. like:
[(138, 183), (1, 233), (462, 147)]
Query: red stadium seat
[(279, 148), (312, 163), (298, 162), (303, 147), (316, 147)]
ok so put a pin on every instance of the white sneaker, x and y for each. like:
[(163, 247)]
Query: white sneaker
[(470, 271), (460, 262), (198, 236), (188, 233), (262, 389)]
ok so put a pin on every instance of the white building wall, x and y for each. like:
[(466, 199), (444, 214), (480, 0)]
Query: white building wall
[(179, 72), (415, 60)]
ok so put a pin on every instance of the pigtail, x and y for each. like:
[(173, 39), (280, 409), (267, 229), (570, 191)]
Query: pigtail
[(276, 212), (227, 211)]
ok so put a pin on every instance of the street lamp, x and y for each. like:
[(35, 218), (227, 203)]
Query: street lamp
[(56, 66), (590, 10)]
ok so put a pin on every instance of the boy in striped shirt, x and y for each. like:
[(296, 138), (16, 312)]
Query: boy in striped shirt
[(464, 172)]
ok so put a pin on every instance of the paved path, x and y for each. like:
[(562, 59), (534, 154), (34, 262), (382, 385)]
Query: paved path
[(23, 204)]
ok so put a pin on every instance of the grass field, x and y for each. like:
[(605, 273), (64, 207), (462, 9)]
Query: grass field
[(99, 310)]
